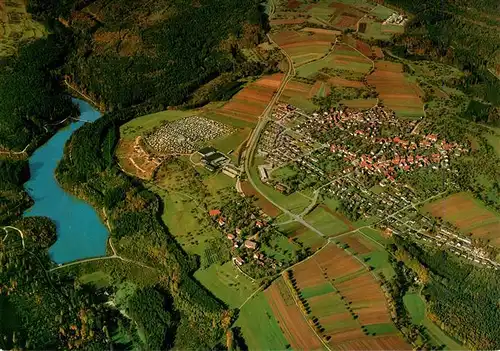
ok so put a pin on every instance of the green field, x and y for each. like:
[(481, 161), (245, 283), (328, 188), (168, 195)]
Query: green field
[(98, 278), (330, 304), (374, 30), (231, 142), (17, 26), (379, 329), (284, 249), (375, 235), (415, 306), (226, 283), (317, 290), (186, 229), (325, 222), (260, 329), (381, 12), (295, 203), (307, 237), (310, 69)]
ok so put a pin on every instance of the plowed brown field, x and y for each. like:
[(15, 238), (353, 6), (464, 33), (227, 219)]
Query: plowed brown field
[(262, 202), (249, 103), (375, 343), (292, 322), (396, 92), (359, 245), (468, 215)]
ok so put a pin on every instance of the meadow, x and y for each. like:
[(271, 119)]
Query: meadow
[(259, 326), (330, 224), (226, 283), (301, 234)]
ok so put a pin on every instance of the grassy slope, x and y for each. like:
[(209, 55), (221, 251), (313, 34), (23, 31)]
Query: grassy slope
[(226, 283), (260, 328)]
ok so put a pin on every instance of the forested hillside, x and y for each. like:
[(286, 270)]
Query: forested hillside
[(462, 299), (32, 99), (128, 52), (462, 33)]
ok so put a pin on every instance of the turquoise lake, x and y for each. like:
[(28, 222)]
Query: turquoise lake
[(80, 232)]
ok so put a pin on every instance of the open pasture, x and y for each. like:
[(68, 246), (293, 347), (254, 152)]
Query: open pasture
[(16, 26), (328, 222), (468, 215), (395, 90), (259, 326), (293, 324), (303, 235), (226, 283), (249, 103)]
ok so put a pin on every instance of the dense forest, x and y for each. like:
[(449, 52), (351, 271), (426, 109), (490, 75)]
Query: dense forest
[(46, 311), (13, 198), (129, 52), (462, 298), (33, 100)]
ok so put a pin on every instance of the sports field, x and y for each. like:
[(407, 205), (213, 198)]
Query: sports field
[(469, 215)]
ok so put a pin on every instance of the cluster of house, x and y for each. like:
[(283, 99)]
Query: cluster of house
[(251, 246), (282, 144), (184, 136), (403, 152), (396, 19), (366, 202), (379, 156), (411, 222)]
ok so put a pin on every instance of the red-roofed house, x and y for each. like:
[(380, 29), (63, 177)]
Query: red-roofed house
[(213, 213)]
